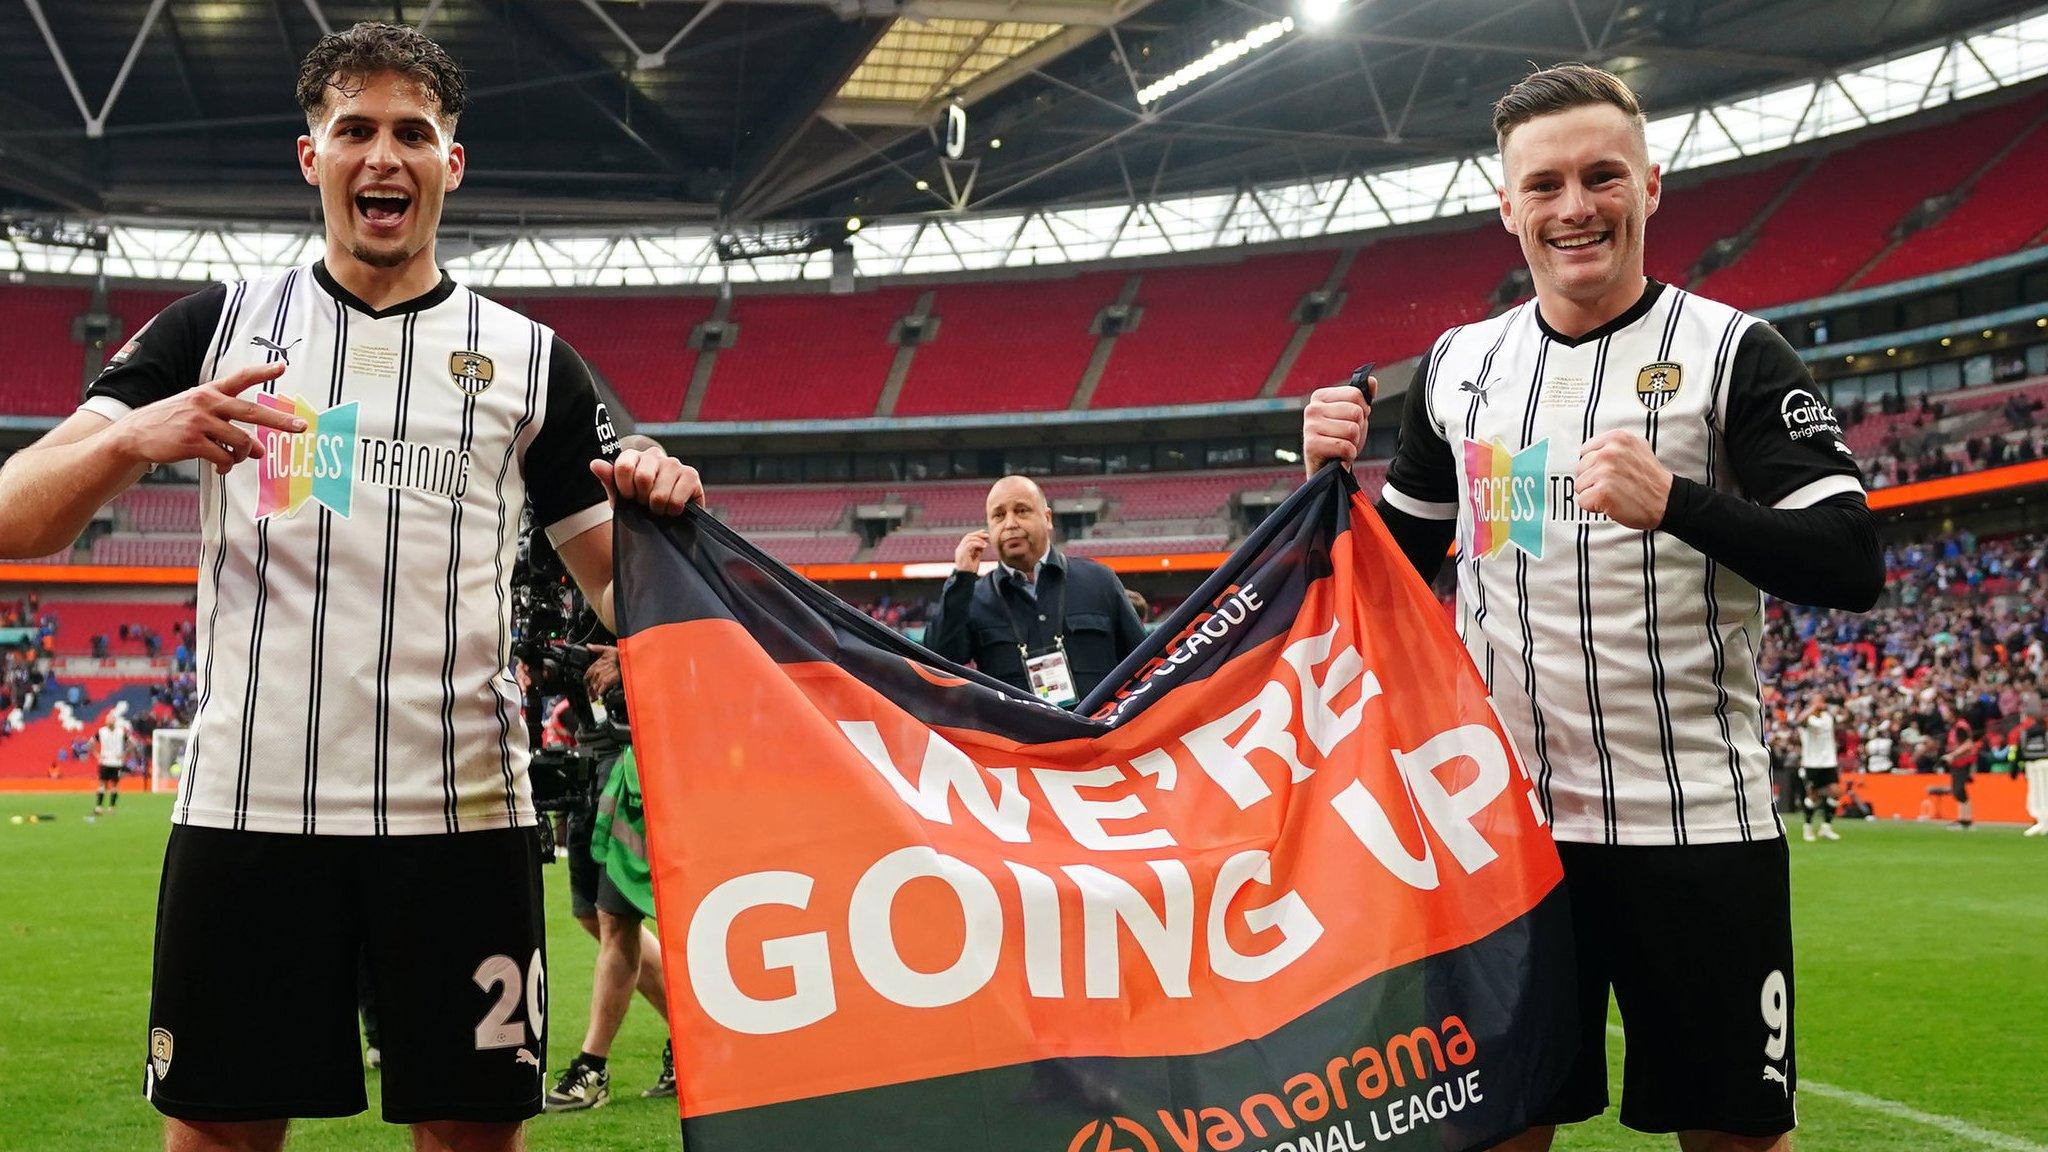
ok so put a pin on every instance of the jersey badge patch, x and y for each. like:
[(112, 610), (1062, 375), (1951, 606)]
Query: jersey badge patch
[(472, 371), (160, 1051), (1658, 383), (1506, 493)]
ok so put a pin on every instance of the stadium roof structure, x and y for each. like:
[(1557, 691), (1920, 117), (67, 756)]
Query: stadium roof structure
[(614, 142)]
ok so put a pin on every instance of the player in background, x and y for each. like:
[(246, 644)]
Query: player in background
[(1959, 752), (112, 740), (2030, 740), (1623, 466), (1820, 767)]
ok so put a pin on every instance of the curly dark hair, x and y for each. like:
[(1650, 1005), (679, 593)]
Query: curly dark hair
[(370, 48)]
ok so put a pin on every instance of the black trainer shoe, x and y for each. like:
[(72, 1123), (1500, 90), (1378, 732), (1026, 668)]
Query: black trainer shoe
[(580, 1087), (666, 1084)]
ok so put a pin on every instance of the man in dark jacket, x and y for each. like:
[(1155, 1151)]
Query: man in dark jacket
[(1043, 621)]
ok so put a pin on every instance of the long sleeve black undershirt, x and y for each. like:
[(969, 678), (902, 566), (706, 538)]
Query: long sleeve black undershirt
[(1826, 556)]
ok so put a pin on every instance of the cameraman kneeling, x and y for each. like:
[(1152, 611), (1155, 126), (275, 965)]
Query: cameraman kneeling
[(628, 953)]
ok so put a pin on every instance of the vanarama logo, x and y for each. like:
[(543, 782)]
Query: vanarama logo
[(325, 462), (1506, 493), (1115, 1134), (1343, 1107)]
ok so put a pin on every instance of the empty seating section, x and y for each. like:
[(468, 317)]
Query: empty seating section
[(1690, 219), (1008, 347), (1209, 334), (147, 551), (815, 356), (1842, 214), (2002, 213), (44, 373), (1400, 294), (78, 621), (816, 548), (639, 344), (784, 509), (1148, 545), (136, 307), (158, 508), (916, 548)]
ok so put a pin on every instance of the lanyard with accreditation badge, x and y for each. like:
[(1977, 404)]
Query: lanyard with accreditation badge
[(1048, 674)]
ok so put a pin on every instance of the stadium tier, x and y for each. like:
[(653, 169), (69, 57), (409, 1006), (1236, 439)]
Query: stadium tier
[(80, 621), (990, 358), (1400, 294), (1841, 216), (1219, 331), (1209, 334), (640, 345), (2003, 211), (822, 356), (1687, 224), (46, 367)]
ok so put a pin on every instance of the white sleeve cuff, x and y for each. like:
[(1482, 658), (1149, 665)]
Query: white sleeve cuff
[(1421, 509), (106, 406), (1807, 495), (577, 523)]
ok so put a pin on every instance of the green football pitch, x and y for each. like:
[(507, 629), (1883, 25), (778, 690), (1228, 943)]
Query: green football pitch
[(1923, 995)]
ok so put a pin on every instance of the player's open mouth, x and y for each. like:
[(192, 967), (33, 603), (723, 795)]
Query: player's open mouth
[(1578, 241), (383, 209)]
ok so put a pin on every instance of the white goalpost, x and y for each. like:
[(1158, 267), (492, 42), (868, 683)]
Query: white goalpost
[(167, 747)]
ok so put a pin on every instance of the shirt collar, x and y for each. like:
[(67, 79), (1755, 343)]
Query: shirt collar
[(332, 287), (1051, 560), (1652, 289)]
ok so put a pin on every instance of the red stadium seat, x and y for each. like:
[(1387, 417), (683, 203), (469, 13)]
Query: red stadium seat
[(45, 373), (1209, 334), (1691, 219), (807, 357), (2004, 212), (1400, 294), (639, 344), (1820, 237), (1007, 347)]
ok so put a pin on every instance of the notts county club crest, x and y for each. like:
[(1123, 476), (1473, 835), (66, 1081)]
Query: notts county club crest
[(160, 1051), (1657, 383), (472, 371)]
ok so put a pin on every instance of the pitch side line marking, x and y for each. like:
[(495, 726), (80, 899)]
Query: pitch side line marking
[(1898, 1111)]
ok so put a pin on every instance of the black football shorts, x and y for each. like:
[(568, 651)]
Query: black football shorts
[(1695, 942), (258, 945)]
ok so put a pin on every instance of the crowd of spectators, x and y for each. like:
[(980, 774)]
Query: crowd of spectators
[(1920, 449), (1937, 677)]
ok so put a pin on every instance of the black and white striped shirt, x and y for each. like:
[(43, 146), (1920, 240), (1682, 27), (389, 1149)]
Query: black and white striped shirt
[(354, 619), (1624, 662)]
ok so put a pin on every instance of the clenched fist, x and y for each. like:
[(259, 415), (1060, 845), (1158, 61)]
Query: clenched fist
[(1333, 424), (1620, 476)]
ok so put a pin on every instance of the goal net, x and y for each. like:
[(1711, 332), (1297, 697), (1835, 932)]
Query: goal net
[(167, 748)]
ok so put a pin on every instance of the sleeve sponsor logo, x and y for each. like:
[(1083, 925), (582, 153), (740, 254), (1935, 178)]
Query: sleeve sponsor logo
[(607, 433), (1806, 416)]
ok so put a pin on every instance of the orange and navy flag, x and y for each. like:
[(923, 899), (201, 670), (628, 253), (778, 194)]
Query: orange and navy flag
[(1282, 882)]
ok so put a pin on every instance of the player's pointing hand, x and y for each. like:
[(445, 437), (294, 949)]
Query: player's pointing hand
[(199, 423), (648, 475), (1620, 476)]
